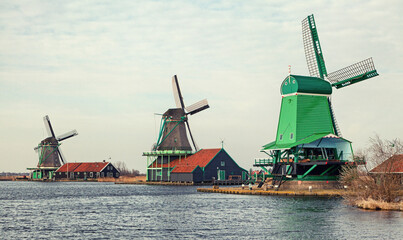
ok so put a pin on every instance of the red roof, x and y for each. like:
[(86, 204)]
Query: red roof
[(188, 164), (83, 167), (392, 165), (68, 166), (184, 169), (202, 157)]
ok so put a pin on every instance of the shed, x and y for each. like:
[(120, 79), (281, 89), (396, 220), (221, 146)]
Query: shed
[(86, 170), (206, 165)]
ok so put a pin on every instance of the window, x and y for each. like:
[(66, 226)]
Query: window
[(102, 174), (98, 174), (281, 137), (91, 174), (222, 163), (72, 175), (291, 135)]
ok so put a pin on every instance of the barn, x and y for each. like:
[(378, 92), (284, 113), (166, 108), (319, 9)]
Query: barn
[(86, 171), (206, 165), (391, 166)]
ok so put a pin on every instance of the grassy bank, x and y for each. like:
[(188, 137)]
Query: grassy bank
[(378, 205), (375, 192)]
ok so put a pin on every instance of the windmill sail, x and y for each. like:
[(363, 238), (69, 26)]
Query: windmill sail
[(62, 158), (334, 121), (177, 93), (67, 135), (313, 51), (197, 107), (191, 137), (48, 126), (352, 74)]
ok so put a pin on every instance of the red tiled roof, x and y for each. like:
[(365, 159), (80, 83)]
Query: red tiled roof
[(188, 164), (393, 164), (83, 167), (202, 157), (184, 169), (68, 166)]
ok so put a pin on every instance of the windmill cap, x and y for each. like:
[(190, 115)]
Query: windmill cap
[(304, 84)]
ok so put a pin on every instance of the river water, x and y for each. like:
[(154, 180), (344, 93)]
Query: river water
[(70, 210)]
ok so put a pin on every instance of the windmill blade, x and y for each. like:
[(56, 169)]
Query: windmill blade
[(197, 107), (48, 126), (177, 93), (67, 135), (353, 74), (62, 158), (191, 136), (313, 51)]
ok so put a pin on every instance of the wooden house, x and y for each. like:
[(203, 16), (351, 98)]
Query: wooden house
[(86, 171), (203, 166)]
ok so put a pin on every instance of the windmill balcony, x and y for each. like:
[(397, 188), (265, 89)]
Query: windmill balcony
[(263, 162)]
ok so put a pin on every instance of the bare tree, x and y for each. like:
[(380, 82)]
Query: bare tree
[(364, 186), (379, 150), (124, 171)]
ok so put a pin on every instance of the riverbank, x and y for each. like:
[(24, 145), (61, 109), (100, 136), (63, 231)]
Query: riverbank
[(331, 193), (371, 204)]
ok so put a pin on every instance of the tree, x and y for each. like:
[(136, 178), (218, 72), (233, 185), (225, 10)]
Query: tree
[(377, 189), (379, 150), (124, 171)]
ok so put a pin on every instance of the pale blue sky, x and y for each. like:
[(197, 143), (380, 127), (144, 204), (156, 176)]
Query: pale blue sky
[(104, 68)]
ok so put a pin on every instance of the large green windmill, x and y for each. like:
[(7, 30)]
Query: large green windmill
[(309, 144)]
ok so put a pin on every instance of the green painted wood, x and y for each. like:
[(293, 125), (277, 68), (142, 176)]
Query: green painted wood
[(316, 44), (327, 170), (304, 84), (309, 170)]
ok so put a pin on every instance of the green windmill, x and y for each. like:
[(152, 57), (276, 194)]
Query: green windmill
[(309, 145)]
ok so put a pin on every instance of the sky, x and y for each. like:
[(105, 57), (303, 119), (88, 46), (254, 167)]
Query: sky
[(104, 68)]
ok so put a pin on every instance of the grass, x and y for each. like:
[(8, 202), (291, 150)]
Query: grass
[(376, 192), (379, 205)]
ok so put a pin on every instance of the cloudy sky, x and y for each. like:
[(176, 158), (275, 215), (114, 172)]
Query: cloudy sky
[(105, 67)]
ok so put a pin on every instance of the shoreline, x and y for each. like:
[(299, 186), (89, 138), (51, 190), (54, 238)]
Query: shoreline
[(330, 193)]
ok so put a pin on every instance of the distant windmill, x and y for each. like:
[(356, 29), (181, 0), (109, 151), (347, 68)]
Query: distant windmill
[(49, 149), (172, 134)]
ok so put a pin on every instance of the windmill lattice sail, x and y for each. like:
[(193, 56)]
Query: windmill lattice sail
[(353, 73), (177, 93), (313, 50), (197, 107)]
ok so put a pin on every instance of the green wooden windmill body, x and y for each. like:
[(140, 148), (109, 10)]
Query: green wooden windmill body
[(309, 144)]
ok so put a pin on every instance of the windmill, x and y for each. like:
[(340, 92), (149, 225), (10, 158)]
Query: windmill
[(175, 121), (309, 144), (172, 143), (50, 154)]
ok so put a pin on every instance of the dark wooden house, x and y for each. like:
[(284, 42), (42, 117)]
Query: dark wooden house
[(205, 166), (86, 170)]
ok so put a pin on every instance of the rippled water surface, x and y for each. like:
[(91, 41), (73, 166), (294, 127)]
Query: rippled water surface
[(109, 211)]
